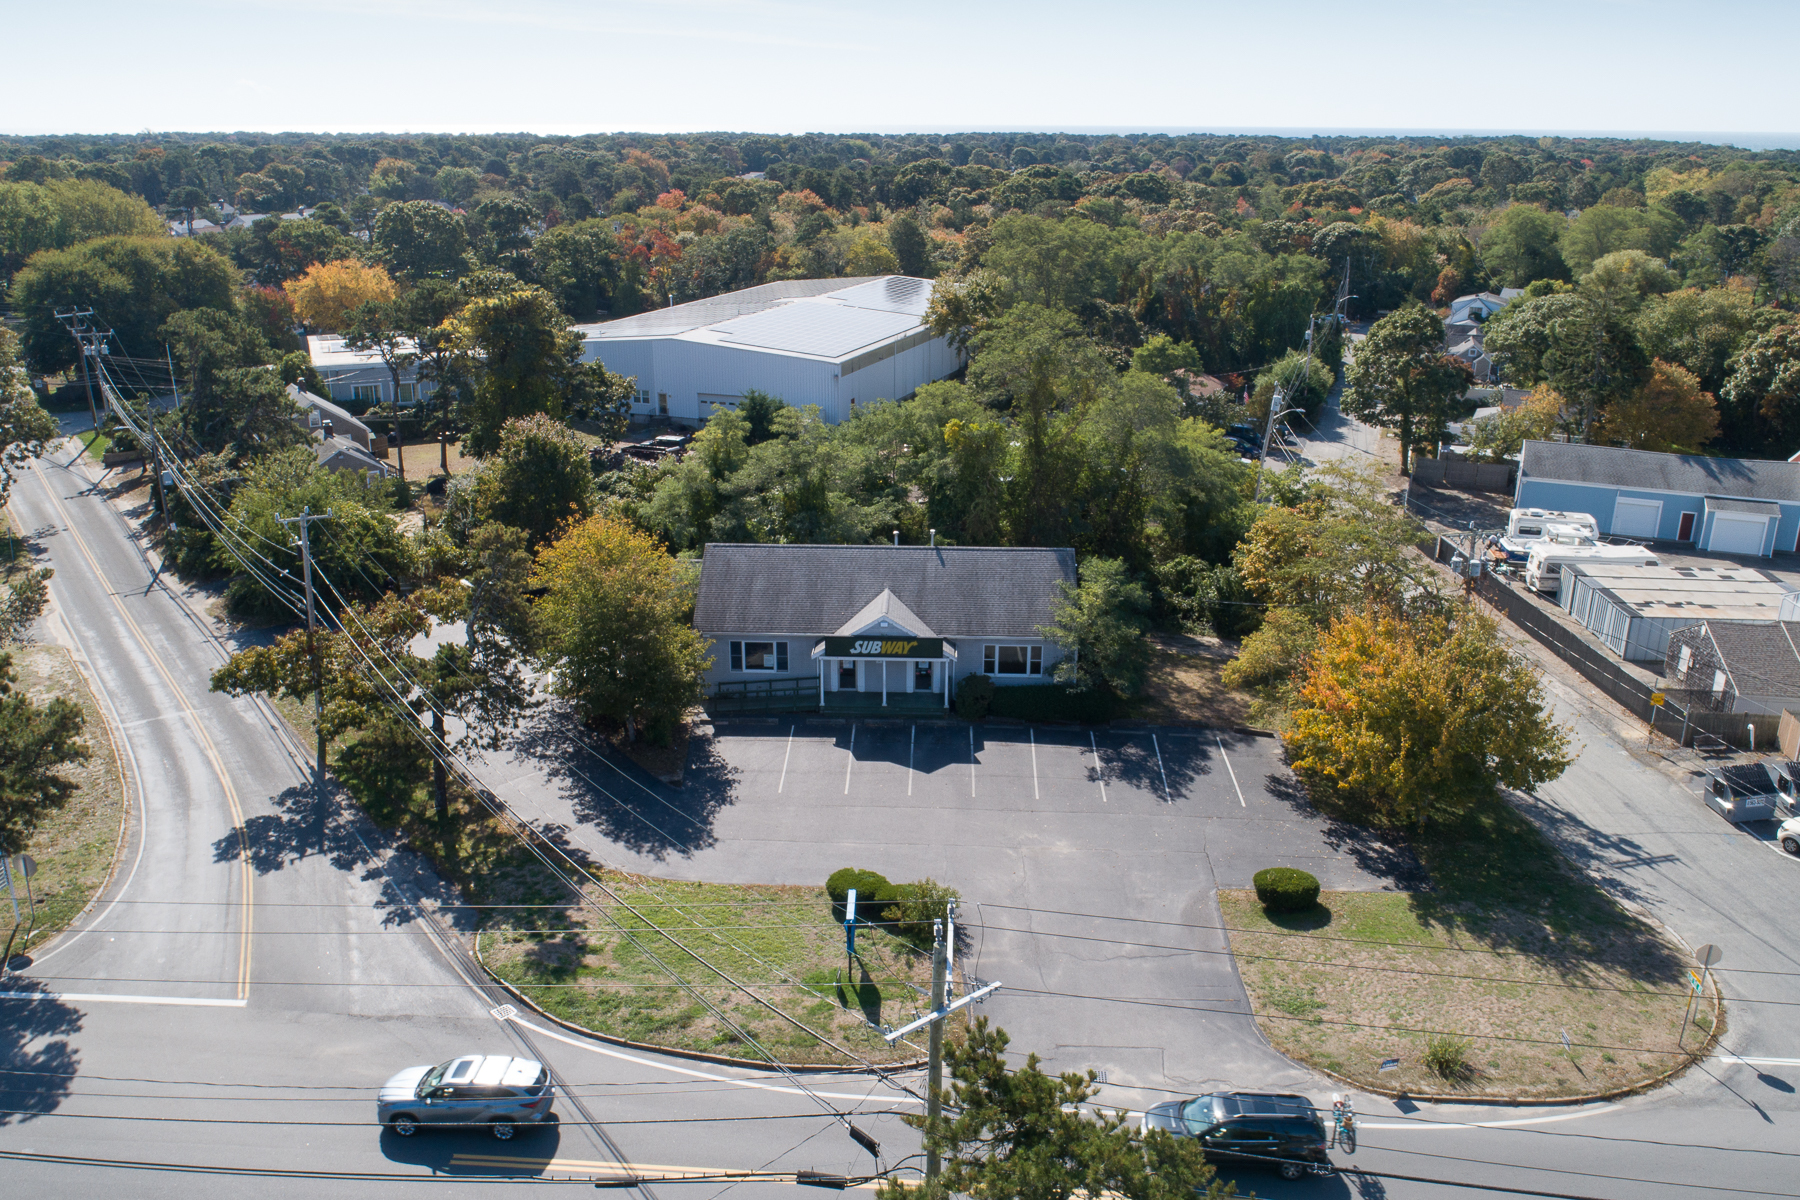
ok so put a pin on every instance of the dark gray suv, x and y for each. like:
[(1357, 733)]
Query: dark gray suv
[(1277, 1130), (493, 1090)]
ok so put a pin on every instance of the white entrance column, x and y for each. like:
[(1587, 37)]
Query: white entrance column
[(822, 685), (884, 666), (945, 664)]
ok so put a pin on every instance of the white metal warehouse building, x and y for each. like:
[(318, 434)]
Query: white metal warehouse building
[(835, 343)]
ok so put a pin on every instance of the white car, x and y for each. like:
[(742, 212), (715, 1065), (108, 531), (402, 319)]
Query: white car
[(1789, 835)]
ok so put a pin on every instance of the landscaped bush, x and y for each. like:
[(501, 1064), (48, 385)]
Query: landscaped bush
[(1447, 1057), (913, 907), (1284, 889), (1049, 702), (872, 890), (973, 696)]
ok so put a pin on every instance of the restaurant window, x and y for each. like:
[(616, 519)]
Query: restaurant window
[(759, 656), (1012, 660)]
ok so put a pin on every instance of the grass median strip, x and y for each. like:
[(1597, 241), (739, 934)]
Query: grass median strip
[(782, 944), (73, 846), (1474, 985)]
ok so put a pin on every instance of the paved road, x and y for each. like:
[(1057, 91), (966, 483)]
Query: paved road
[(343, 981), (259, 963)]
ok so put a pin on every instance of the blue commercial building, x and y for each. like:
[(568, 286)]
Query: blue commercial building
[(1723, 505)]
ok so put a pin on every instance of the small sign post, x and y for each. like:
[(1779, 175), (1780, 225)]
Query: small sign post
[(6, 878), (1707, 956), (1656, 703), (850, 924)]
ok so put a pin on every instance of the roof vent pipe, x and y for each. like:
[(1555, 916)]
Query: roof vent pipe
[(934, 539), (896, 537)]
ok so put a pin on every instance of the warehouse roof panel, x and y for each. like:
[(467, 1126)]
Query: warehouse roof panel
[(823, 330), (1614, 466), (698, 314)]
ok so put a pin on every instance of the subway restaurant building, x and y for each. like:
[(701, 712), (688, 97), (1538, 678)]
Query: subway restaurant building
[(894, 625)]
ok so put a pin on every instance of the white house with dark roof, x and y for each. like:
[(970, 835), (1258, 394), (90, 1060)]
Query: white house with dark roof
[(1725, 505), (878, 621), (830, 342)]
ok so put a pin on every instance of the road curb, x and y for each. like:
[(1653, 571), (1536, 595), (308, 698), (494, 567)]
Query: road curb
[(720, 1060)]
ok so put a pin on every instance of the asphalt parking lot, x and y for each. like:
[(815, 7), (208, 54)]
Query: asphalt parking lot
[(1087, 861)]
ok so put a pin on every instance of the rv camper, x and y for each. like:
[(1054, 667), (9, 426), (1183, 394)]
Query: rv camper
[(1526, 527), (1543, 566)]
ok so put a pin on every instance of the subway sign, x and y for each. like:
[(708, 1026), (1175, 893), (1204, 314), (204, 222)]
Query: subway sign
[(868, 647)]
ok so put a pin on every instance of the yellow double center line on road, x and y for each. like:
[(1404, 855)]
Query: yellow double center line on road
[(199, 727), (649, 1172)]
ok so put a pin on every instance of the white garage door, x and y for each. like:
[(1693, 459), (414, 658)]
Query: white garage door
[(1636, 518), (1733, 534)]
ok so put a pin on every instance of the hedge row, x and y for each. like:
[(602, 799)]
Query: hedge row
[(977, 698)]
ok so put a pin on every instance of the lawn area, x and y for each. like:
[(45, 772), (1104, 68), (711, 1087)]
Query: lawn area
[(1184, 689), (75, 844), (601, 969), (94, 442), (1510, 951)]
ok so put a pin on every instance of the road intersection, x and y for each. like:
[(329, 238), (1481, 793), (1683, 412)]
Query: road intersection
[(294, 958)]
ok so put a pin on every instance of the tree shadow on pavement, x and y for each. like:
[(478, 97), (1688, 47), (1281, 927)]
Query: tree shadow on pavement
[(618, 799), (1382, 854), (34, 1080), (1149, 763)]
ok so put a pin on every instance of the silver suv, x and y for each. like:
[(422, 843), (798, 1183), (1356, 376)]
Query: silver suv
[(495, 1090)]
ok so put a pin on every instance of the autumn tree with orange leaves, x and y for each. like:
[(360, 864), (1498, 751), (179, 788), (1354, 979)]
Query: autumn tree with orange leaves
[(326, 294), (1418, 719)]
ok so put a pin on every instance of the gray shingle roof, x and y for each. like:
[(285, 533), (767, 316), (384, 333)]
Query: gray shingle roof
[(1613, 466), (960, 591), (1760, 655), (1761, 508)]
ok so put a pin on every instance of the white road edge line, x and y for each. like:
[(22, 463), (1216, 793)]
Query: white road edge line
[(92, 997), (1234, 782), (851, 760), (1154, 745), (784, 761), (1034, 778), (1757, 1062), (1570, 1116), (656, 1066), (1099, 771)]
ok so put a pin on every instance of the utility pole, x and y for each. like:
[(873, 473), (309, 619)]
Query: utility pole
[(941, 1007), (934, 1078), (76, 320), (306, 518), (395, 440)]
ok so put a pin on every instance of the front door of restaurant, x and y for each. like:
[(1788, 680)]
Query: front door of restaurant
[(846, 675)]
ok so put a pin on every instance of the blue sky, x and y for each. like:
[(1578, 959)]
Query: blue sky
[(573, 66)]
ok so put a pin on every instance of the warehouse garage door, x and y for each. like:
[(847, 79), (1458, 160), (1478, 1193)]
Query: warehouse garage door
[(1636, 518), (1734, 534)]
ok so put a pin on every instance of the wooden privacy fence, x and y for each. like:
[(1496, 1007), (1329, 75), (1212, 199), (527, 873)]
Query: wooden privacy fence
[(1682, 724), (1469, 476)]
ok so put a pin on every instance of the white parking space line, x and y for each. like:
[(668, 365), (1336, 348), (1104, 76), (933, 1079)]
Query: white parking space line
[(92, 997), (1034, 779), (912, 744), (779, 788), (850, 761), (1154, 745), (1099, 772), (1234, 782)]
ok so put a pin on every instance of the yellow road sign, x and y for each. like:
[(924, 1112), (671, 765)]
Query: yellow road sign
[(1656, 699)]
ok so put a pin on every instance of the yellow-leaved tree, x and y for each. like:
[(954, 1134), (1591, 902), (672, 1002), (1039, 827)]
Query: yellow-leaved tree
[(1669, 412), (326, 294), (1414, 719), (616, 622)]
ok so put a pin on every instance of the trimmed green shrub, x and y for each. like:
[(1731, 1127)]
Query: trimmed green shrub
[(913, 907), (1284, 889), (973, 696), (1050, 702), (872, 891)]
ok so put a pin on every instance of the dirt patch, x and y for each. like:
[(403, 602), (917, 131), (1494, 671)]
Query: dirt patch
[(1183, 687), (73, 846), (621, 966), (1371, 977)]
